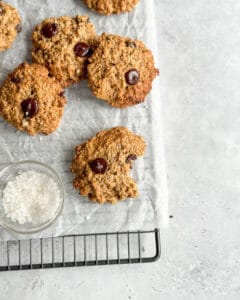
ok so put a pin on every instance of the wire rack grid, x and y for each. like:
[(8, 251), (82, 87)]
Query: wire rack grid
[(81, 250)]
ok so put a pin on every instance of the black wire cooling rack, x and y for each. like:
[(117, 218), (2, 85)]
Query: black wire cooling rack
[(81, 250)]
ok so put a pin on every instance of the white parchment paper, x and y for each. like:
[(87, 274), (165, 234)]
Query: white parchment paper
[(84, 116)]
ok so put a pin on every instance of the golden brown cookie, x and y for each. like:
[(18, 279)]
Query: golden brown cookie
[(108, 7), (121, 71), (64, 45), (10, 25), (102, 165), (31, 100)]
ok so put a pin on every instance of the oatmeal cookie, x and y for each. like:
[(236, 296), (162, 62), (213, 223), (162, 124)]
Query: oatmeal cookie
[(121, 71), (108, 7), (102, 165), (64, 45), (10, 25), (31, 100)]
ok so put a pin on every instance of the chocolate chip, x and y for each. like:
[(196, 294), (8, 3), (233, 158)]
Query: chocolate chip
[(82, 49), (130, 158), (16, 79), (49, 30), (19, 27), (99, 165), (90, 52), (62, 94), (130, 44), (29, 107), (132, 77)]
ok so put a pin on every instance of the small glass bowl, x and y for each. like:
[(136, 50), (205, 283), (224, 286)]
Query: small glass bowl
[(9, 174)]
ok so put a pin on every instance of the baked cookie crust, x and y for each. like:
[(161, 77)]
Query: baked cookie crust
[(31, 100), (121, 71), (103, 163), (10, 25), (108, 7), (64, 45)]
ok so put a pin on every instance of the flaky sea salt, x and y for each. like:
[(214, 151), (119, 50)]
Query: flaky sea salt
[(31, 197)]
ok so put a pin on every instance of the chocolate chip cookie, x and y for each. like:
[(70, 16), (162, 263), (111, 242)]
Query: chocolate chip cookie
[(108, 7), (31, 100), (64, 45), (121, 70), (10, 25), (102, 165)]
